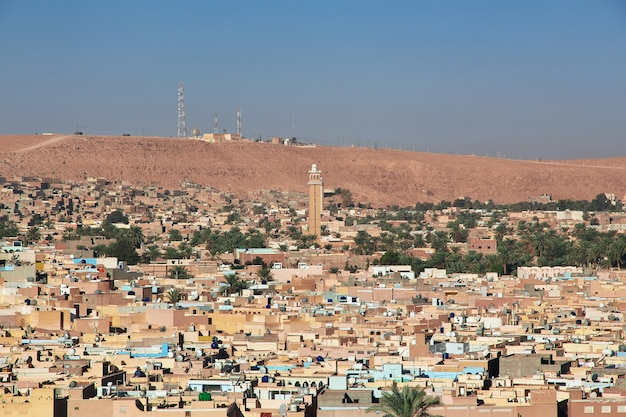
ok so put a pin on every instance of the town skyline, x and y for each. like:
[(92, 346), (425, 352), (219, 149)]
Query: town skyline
[(123, 300), (531, 80)]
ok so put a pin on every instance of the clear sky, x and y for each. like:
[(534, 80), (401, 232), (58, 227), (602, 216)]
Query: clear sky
[(520, 79)]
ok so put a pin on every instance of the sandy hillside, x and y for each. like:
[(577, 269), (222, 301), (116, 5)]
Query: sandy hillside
[(376, 176)]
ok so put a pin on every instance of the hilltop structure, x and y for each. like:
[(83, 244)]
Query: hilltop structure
[(316, 195)]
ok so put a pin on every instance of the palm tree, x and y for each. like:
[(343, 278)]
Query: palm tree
[(407, 402), (136, 236), (186, 250), (34, 234), (235, 285), (439, 241), (179, 272), (174, 295), (152, 252), (99, 250), (265, 274), (617, 250)]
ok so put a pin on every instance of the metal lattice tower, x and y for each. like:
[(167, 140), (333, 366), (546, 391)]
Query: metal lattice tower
[(215, 130), (182, 119), (239, 122)]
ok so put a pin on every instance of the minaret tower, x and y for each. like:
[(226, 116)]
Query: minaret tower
[(316, 195)]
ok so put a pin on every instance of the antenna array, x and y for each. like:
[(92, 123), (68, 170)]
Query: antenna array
[(182, 119)]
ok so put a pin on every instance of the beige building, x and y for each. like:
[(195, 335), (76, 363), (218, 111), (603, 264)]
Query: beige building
[(220, 137), (316, 195)]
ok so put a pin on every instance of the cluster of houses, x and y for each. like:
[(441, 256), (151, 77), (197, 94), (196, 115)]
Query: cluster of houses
[(91, 335)]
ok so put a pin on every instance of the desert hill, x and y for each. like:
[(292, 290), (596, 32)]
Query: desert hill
[(380, 177)]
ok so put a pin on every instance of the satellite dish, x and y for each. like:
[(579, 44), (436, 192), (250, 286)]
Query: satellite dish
[(195, 132), (71, 351), (170, 354), (199, 353), (262, 370), (352, 380), (282, 409), (109, 384), (73, 384)]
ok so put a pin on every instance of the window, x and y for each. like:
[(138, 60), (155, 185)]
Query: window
[(606, 409), (621, 408), (588, 409)]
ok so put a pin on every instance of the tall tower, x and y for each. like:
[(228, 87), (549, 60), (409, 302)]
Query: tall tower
[(215, 131), (182, 119), (239, 122), (316, 195)]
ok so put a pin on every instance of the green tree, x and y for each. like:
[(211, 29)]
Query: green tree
[(179, 272), (266, 274), (501, 231), (259, 209), (172, 253), (185, 250), (174, 295), (152, 253), (391, 258), (346, 197), (601, 203), (254, 239), (512, 255), (305, 241), (117, 216), (333, 209), (34, 234), (235, 284), (439, 240), (405, 402), (8, 228), (232, 218), (68, 234), (123, 250), (175, 235), (108, 230), (135, 236), (100, 250), (617, 250), (365, 244)]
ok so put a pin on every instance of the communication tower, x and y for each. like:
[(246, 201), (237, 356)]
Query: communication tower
[(239, 122), (215, 130), (182, 119)]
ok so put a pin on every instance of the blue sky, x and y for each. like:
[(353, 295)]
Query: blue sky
[(521, 79)]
